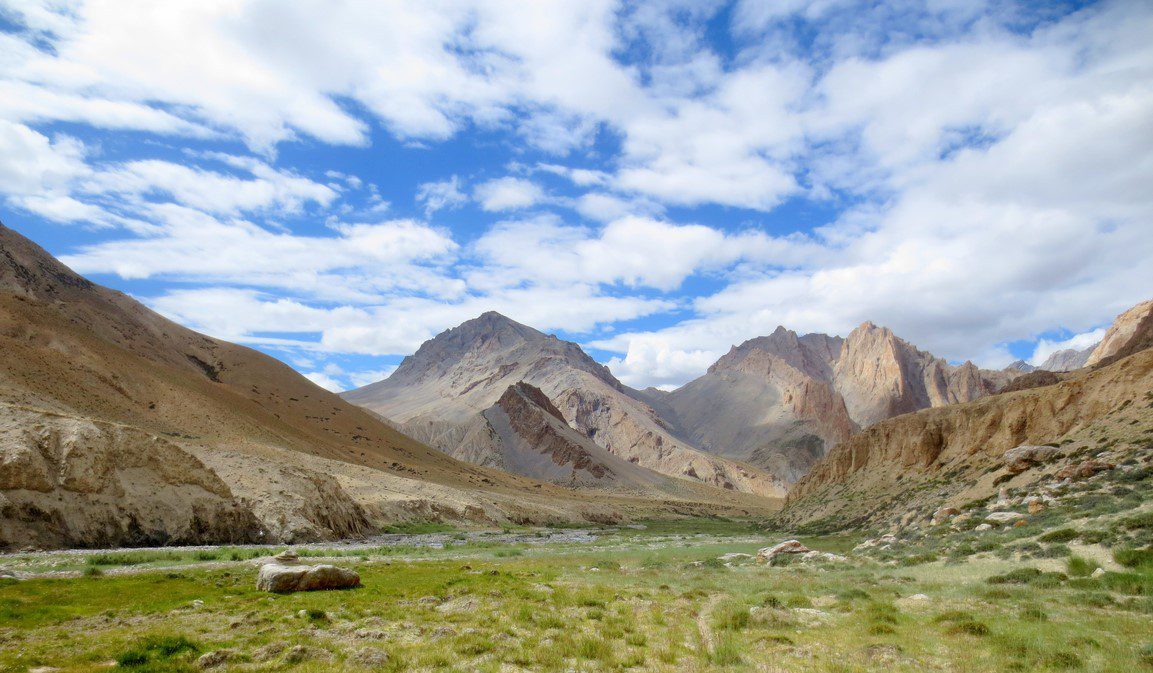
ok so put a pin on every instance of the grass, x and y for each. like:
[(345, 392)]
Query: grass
[(646, 609)]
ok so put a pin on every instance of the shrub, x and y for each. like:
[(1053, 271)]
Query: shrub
[(726, 651), (1054, 551), (1080, 567), (1094, 536), (1133, 558), (154, 648), (731, 615), (1060, 535), (961, 622), (1142, 521)]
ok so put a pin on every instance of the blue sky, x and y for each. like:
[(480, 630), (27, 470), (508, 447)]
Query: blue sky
[(334, 183)]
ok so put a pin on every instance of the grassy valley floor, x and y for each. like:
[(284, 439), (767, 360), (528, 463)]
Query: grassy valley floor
[(657, 599)]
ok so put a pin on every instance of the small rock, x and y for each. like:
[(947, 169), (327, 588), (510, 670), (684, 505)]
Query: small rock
[(982, 527), (918, 597), (214, 658), (1098, 572), (266, 652), (287, 557), (197, 603)]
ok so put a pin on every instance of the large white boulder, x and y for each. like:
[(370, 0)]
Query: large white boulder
[(769, 554), (283, 579)]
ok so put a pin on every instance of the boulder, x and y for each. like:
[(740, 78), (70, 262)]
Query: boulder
[(982, 527), (822, 557), (944, 513), (1023, 457), (769, 554), (1004, 517), (282, 579), (1083, 470)]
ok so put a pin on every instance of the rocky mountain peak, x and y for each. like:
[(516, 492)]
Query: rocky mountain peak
[(531, 393), (1020, 366)]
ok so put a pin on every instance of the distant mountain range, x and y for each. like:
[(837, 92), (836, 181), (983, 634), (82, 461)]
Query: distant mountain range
[(756, 421), (119, 427)]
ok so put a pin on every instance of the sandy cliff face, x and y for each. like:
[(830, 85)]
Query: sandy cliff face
[(466, 370), (67, 480)]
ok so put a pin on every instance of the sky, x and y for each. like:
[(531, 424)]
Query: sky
[(334, 183)]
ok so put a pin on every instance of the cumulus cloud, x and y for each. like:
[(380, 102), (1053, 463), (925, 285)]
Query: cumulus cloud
[(1046, 347), (989, 166), (508, 194), (445, 194)]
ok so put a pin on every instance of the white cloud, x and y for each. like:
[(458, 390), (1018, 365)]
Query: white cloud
[(325, 381), (363, 378), (446, 194), (1046, 347), (997, 176), (508, 194), (358, 263), (210, 191)]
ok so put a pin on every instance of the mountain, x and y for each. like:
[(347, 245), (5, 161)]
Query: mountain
[(1021, 366), (769, 401), (1067, 359), (781, 401), (437, 393), (881, 376), (120, 427), (906, 467)]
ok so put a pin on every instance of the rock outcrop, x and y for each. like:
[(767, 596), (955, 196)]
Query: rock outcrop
[(437, 393), (880, 376), (73, 481), (1126, 335)]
